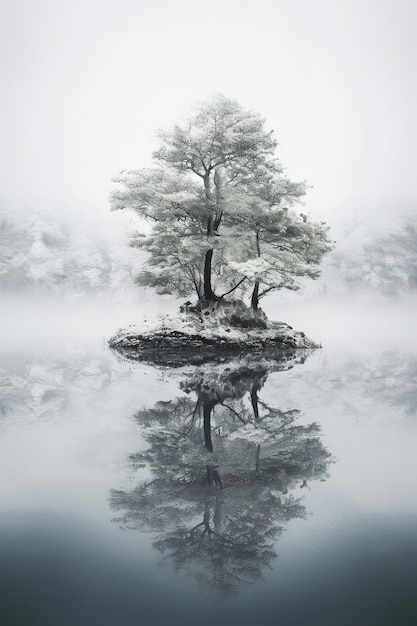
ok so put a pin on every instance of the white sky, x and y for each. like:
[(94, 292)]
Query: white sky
[(87, 83)]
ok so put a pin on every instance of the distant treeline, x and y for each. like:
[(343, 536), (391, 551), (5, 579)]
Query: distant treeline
[(60, 253), (374, 257)]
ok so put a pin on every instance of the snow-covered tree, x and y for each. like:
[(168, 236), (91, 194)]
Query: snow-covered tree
[(52, 251), (281, 248), (377, 255), (220, 210), (224, 476)]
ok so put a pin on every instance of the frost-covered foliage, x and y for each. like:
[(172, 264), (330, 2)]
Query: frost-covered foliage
[(376, 254), (58, 252), (221, 209), (225, 472), (42, 388)]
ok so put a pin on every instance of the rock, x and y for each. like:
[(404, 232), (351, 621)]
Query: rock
[(224, 332)]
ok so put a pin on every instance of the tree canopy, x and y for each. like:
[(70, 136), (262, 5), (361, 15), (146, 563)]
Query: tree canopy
[(224, 476), (221, 209)]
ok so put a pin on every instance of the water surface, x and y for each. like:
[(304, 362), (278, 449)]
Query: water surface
[(116, 511)]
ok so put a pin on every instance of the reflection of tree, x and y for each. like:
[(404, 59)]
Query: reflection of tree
[(43, 388), (382, 384), (223, 465)]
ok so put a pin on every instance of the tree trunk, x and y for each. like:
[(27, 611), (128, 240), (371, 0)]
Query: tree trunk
[(208, 290), (254, 301), (258, 453), (207, 409), (213, 477), (254, 400), (213, 223)]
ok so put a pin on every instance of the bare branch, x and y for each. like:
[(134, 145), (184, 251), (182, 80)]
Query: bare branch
[(233, 288)]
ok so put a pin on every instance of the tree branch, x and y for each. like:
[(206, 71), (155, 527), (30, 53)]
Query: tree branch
[(234, 412), (233, 288), (265, 291)]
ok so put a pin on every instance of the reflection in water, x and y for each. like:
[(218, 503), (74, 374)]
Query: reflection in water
[(223, 467), (44, 387), (65, 418)]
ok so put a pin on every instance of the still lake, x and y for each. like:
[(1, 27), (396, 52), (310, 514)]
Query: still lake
[(235, 493)]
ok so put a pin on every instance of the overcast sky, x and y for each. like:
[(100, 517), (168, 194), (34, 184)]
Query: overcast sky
[(85, 84)]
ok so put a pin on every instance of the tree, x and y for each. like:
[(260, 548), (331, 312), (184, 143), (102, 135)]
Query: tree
[(282, 248), (219, 208), (376, 257), (226, 469)]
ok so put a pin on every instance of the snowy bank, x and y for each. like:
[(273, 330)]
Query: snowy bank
[(215, 332)]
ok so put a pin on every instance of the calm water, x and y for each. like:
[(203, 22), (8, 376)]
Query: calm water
[(232, 494)]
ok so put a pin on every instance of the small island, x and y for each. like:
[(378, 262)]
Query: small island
[(218, 224), (210, 332)]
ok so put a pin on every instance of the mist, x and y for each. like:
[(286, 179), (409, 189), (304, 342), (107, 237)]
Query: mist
[(86, 85)]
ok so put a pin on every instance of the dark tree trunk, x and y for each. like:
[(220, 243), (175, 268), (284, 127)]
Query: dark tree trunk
[(254, 301), (207, 409), (206, 519), (210, 229), (258, 453), (208, 290), (213, 223), (213, 477), (254, 400)]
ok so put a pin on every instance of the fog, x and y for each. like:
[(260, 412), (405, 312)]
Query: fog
[(86, 84), (70, 437)]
